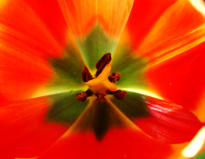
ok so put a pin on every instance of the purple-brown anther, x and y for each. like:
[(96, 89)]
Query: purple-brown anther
[(100, 95), (114, 77), (102, 63), (89, 92), (81, 96), (119, 94), (86, 75)]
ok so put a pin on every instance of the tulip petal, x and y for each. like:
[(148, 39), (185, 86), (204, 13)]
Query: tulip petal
[(22, 29), (21, 74), (131, 68), (30, 126), (99, 118), (34, 76), (67, 72), (81, 16), (94, 45), (172, 34), (117, 144), (140, 22), (24, 132), (196, 146), (103, 132), (50, 13), (132, 106), (95, 26), (181, 79), (162, 120), (26, 43), (169, 122), (65, 108)]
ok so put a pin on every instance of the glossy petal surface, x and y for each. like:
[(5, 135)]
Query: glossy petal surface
[(163, 120), (169, 123), (24, 132)]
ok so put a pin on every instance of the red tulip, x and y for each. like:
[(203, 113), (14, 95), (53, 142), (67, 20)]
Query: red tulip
[(101, 79)]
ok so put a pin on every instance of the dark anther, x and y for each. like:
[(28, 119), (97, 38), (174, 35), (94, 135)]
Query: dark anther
[(89, 92), (114, 77), (100, 95), (109, 92), (119, 94), (102, 63), (81, 96), (86, 76)]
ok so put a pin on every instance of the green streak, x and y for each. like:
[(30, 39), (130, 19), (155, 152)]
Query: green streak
[(95, 44), (99, 118), (133, 105), (130, 66), (65, 108), (67, 70)]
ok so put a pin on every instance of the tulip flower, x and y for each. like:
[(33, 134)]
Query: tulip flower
[(116, 79)]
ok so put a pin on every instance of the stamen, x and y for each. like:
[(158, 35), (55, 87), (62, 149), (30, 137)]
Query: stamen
[(100, 95), (89, 92), (102, 63), (86, 75), (81, 96), (119, 94), (103, 83), (114, 77)]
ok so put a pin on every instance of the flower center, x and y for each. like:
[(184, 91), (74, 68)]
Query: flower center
[(103, 84)]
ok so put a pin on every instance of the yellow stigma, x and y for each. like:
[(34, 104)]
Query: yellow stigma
[(102, 83)]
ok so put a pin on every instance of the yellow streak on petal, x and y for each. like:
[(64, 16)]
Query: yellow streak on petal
[(102, 83), (196, 146), (143, 92), (177, 148), (54, 90), (199, 5), (170, 36), (2, 3), (200, 109), (195, 38)]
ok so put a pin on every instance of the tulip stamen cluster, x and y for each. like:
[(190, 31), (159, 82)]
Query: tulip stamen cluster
[(103, 83)]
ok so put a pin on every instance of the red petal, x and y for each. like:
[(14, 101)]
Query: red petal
[(179, 28), (181, 79), (24, 30), (117, 144), (20, 74), (140, 22), (50, 13), (82, 16), (169, 123), (24, 133)]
